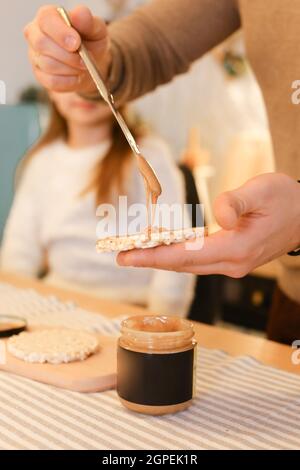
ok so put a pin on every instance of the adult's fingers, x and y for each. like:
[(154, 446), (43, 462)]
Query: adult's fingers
[(42, 45), (228, 208), (94, 33), (85, 26), (91, 28), (249, 199), (52, 25), (51, 66), (57, 83)]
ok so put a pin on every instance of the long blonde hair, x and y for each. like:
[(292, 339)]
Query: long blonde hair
[(109, 174)]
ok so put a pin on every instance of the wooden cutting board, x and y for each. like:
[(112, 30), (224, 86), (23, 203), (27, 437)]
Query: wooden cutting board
[(96, 374)]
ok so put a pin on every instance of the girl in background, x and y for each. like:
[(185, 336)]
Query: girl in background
[(81, 161)]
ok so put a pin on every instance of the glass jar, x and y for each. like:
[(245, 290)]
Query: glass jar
[(156, 364)]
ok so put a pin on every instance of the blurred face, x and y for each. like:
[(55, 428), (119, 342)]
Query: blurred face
[(80, 111)]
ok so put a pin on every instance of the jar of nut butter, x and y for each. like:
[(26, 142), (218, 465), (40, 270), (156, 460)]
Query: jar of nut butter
[(156, 364)]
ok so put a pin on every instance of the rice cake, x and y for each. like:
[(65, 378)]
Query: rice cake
[(55, 346), (149, 239)]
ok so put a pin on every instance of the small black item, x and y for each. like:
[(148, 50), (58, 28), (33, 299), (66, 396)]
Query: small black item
[(295, 252), (10, 326)]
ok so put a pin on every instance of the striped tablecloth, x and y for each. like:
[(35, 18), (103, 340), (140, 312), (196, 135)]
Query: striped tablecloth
[(239, 404)]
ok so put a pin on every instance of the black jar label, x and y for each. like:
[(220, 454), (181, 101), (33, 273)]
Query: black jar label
[(155, 379)]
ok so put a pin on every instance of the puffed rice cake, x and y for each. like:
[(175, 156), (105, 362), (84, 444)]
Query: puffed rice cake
[(55, 346), (148, 239)]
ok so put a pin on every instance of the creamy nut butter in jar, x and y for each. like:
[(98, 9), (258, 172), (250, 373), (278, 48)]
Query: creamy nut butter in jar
[(156, 357)]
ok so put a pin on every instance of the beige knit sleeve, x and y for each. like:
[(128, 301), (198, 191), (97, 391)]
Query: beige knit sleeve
[(161, 40)]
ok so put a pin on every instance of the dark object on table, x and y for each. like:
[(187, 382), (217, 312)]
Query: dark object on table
[(284, 319), (10, 326), (246, 302)]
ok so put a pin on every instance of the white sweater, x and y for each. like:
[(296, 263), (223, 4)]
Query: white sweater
[(50, 220)]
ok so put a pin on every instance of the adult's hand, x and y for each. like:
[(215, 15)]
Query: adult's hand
[(53, 48), (259, 222)]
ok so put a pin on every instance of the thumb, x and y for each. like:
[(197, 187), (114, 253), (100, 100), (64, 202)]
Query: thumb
[(89, 27), (229, 207)]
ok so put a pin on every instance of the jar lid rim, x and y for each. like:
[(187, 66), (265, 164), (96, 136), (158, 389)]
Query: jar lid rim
[(185, 325)]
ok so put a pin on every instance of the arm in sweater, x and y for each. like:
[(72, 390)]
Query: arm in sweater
[(149, 47), (161, 40), (21, 249)]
